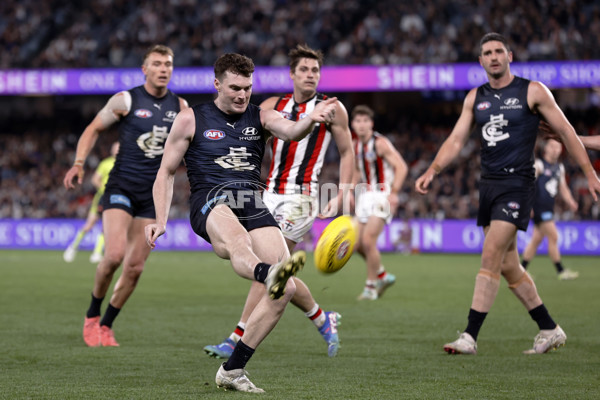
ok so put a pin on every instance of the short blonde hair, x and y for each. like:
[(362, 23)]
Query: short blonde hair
[(160, 49)]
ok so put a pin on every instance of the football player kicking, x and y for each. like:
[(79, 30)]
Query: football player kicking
[(291, 192)]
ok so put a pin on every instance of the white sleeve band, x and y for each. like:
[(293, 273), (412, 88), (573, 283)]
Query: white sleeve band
[(561, 168), (539, 167), (118, 105)]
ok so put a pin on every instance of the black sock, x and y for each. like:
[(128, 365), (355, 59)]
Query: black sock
[(261, 271), (240, 356), (476, 319), (559, 267), (94, 310), (524, 263), (542, 317), (110, 315)]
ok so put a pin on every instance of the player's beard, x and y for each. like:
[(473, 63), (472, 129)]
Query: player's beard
[(499, 74)]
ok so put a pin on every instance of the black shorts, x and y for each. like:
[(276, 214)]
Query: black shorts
[(133, 198), (248, 207), (542, 215), (506, 202)]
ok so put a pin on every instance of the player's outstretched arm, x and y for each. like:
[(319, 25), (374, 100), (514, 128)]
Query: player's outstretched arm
[(389, 153), (451, 146), (178, 141), (591, 142), (116, 107), (340, 132), (287, 130), (540, 98)]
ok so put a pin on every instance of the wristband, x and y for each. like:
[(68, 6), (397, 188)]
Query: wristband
[(436, 168), (79, 162)]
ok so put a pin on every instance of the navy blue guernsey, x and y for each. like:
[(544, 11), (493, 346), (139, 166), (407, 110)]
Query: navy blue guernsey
[(142, 135), (226, 149), (546, 185), (508, 130)]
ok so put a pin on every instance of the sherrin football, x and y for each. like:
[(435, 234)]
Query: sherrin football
[(336, 245)]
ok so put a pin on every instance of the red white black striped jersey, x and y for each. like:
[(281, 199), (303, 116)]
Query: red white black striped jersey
[(295, 166), (374, 170)]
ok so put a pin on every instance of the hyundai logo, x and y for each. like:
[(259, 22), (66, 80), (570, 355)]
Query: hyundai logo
[(249, 131)]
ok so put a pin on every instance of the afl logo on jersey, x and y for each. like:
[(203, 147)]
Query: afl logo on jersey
[(214, 134), (285, 114), (143, 113), (484, 105), (514, 205)]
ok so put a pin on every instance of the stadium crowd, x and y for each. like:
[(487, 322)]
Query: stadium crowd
[(39, 135), (115, 33)]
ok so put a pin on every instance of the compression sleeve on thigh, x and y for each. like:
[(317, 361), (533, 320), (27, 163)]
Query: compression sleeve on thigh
[(118, 105)]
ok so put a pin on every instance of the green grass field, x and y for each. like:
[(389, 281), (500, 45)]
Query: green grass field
[(391, 348)]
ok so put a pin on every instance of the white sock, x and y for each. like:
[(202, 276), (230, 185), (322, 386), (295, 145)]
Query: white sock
[(318, 318), (234, 335)]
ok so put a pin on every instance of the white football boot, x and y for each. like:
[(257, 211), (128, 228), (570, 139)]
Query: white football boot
[(69, 254), (282, 271), (368, 294), (547, 340), (95, 258), (567, 275), (465, 344), (235, 379)]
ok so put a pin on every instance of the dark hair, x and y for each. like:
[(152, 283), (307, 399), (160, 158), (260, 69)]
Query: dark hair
[(493, 36), (303, 51), (160, 49), (363, 110), (235, 63)]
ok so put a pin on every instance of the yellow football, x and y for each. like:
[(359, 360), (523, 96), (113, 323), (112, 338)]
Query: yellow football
[(336, 245)]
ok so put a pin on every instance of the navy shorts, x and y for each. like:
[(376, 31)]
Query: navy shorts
[(506, 202), (542, 215), (128, 197), (247, 206)]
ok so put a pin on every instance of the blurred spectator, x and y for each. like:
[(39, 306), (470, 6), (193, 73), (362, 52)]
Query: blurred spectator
[(37, 133), (114, 33)]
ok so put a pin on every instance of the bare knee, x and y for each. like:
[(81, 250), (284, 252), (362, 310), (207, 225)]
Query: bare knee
[(368, 244), (491, 260), (290, 291), (113, 257), (133, 271)]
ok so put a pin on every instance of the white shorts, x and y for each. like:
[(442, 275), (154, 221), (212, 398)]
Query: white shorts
[(374, 204), (295, 213)]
